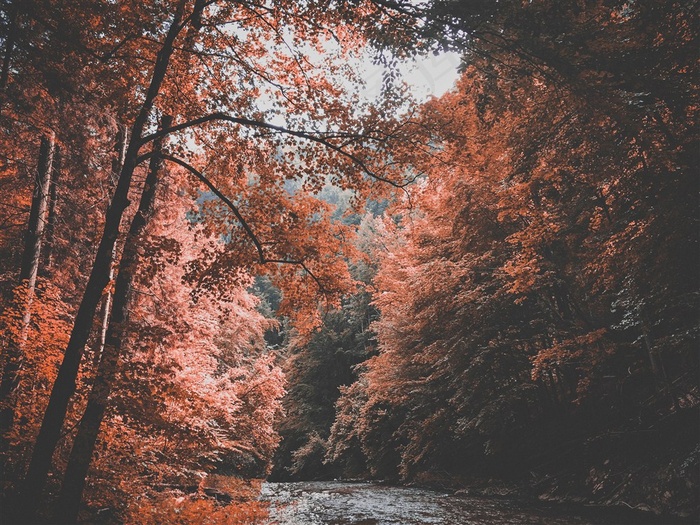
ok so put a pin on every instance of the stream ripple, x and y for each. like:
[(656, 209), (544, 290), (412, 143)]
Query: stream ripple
[(343, 503)]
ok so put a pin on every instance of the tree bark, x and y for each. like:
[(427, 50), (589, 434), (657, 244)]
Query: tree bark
[(28, 273), (32, 488), (88, 429), (51, 214), (29, 270), (37, 214), (122, 140), (9, 46)]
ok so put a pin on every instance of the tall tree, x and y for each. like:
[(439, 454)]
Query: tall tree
[(30, 267), (536, 245), (84, 443), (64, 385), (25, 293), (196, 393), (209, 43)]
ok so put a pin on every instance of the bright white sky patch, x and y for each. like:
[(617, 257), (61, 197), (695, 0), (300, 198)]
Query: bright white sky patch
[(428, 75)]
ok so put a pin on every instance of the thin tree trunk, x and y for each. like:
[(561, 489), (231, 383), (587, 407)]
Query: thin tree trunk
[(88, 429), (657, 367), (122, 140), (106, 313), (28, 273), (51, 217), (32, 489), (9, 47), (37, 225)]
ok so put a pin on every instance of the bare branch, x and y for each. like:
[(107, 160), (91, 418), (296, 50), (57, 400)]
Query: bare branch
[(236, 212), (312, 136)]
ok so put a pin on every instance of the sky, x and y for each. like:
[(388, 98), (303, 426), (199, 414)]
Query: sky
[(430, 75)]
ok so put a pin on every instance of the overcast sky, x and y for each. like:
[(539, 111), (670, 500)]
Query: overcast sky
[(430, 75)]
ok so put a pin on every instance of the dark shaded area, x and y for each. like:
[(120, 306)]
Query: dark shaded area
[(314, 374), (546, 340)]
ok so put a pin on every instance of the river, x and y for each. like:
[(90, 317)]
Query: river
[(341, 503)]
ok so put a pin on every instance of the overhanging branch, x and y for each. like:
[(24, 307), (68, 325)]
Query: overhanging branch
[(263, 259), (313, 136)]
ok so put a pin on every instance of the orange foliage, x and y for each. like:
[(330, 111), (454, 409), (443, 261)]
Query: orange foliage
[(199, 392), (536, 265), (183, 510)]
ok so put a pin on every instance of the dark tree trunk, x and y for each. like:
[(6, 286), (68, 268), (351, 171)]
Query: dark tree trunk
[(122, 140), (37, 214), (28, 273), (88, 429), (31, 491)]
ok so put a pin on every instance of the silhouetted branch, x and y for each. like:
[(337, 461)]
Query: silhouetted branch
[(263, 259), (313, 136)]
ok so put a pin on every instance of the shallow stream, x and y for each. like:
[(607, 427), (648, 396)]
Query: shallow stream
[(341, 503)]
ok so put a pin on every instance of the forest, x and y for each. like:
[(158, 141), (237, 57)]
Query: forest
[(221, 262)]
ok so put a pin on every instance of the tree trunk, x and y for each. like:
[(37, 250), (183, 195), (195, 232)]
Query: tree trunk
[(657, 366), (122, 139), (32, 488), (88, 429), (37, 223), (9, 46), (51, 217), (28, 271), (27, 275), (106, 313)]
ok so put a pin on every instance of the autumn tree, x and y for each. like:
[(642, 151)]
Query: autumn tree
[(552, 217), (84, 443), (315, 372), (286, 118), (29, 269), (33, 331), (198, 395)]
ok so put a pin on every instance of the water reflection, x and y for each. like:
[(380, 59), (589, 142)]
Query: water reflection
[(337, 503)]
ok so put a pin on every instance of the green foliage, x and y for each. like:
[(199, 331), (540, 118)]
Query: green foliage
[(315, 372)]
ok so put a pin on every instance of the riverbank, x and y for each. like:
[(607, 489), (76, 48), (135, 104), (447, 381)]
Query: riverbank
[(617, 512), (650, 476), (651, 473)]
